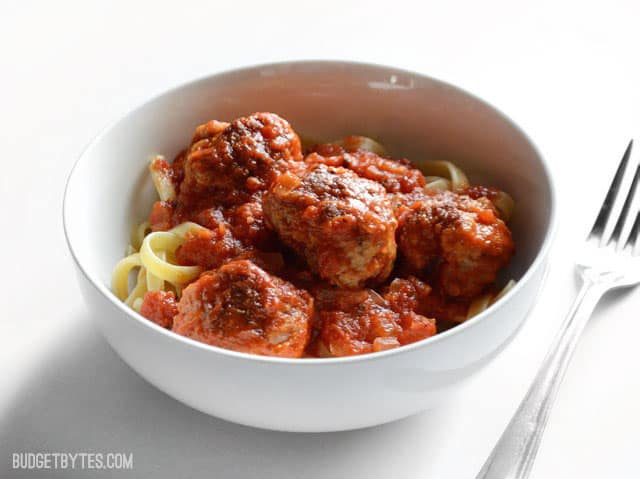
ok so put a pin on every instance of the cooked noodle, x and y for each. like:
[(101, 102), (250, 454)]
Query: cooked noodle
[(482, 302), (504, 204), (354, 142), (152, 261), (435, 170), (162, 178), (150, 254)]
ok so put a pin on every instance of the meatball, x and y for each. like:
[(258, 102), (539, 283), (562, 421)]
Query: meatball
[(242, 307), (354, 322), (343, 225), (397, 176), (462, 239), (226, 165), (405, 297)]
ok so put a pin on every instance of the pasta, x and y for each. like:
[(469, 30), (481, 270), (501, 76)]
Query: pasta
[(151, 253), (505, 204), (362, 143), (444, 175), (482, 302), (308, 241), (161, 176)]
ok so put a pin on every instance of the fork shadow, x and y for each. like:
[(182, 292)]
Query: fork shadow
[(83, 398)]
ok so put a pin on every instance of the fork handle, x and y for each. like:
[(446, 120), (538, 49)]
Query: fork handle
[(513, 455)]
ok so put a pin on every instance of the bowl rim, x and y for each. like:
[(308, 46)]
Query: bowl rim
[(541, 254)]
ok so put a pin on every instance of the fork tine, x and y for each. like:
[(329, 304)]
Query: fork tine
[(617, 231), (633, 235), (607, 205)]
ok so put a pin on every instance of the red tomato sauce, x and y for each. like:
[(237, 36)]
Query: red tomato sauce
[(331, 252)]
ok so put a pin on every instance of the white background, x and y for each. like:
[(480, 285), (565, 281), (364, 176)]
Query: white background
[(569, 74)]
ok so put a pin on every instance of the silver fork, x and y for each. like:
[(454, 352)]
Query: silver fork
[(607, 262)]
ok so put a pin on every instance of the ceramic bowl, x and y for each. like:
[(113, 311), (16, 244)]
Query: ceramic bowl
[(109, 191)]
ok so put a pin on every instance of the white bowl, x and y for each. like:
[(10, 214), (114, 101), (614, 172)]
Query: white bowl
[(109, 191)]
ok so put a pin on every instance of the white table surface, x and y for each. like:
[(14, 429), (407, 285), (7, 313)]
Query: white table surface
[(569, 74)]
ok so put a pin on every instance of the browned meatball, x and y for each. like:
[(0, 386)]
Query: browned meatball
[(226, 165), (351, 322), (463, 239), (242, 307), (354, 322), (406, 297), (342, 224), (397, 176)]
